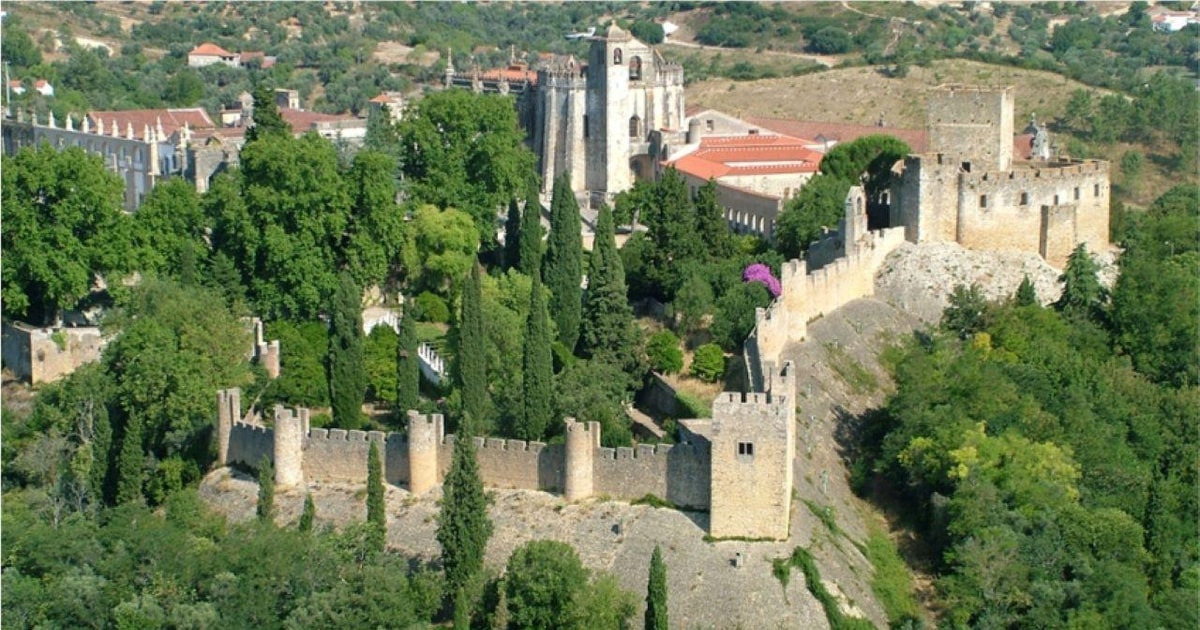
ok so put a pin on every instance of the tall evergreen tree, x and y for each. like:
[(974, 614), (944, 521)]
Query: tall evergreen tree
[(537, 369), (711, 226), (463, 524), (1082, 295), (607, 328), (309, 514), (656, 593), (347, 375), (671, 231), (408, 369), (130, 465), (563, 270), (266, 491), (376, 509), (101, 446), (1026, 294), (512, 236), (266, 116), (472, 352), (530, 258)]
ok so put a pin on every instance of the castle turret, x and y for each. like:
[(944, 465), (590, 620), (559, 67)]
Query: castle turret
[(583, 438), (229, 409), (424, 436), (289, 448)]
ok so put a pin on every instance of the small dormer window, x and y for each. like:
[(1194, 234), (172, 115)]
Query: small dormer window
[(617, 57)]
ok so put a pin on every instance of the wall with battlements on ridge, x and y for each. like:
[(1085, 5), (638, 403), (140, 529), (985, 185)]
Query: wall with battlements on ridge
[(678, 473)]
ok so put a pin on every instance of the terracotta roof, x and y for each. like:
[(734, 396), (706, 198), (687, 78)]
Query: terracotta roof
[(15, 83), (754, 154), (382, 98), (40, 83), (302, 121), (172, 119), (513, 74), (211, 50)]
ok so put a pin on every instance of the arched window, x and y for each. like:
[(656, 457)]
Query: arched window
[(635, 69), (617, 57), (635, 126)]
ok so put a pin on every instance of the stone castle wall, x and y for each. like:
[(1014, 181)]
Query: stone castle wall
[(679, 473), (44, 355)]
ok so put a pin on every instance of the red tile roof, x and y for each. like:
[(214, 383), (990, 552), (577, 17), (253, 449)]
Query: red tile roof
[(754, 154), (513, 74), (211, 50), (40, 83), (302, 121), (172, 119)]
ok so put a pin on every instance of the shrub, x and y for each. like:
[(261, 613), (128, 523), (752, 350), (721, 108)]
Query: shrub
[(709, 363), (664, 353), (692, 407), (431, 308)]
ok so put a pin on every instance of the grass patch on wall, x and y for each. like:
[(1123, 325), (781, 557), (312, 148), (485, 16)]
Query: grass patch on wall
[(826, 515), (892, 582), (801, 559), (860, 379)]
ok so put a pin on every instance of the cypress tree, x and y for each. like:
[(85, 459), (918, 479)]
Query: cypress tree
[(309, 513), (130, 464), (408, 368), (563, 268), (530, 257), (266, 491), (656, 593), (101, 448), (347, 375), (1083, 295), (537, 369), (606, 331), (710, 223), (512, 236), (1026, 295), (463, 524), (472, 352), (266, 116), (376, 511)]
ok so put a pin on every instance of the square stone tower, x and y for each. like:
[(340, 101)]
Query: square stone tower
[(973, 125), (753, 446)]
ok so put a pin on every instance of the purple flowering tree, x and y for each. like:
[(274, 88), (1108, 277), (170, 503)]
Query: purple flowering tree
[(761, 273)]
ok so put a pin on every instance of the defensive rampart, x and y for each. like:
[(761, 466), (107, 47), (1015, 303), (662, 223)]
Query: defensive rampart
[(44, 355)]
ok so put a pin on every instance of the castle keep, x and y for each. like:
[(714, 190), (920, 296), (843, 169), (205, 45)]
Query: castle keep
[(967, 189)]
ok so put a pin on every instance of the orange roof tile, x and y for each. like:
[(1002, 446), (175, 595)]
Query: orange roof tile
[(172, 119), (211, 50), (754, 154)]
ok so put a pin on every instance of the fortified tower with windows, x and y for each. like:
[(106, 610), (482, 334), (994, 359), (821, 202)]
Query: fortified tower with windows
[(594, 120)]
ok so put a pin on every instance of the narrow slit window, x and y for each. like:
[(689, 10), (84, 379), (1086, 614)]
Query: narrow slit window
[(983, 201), (1024, 199), (1076, 193)]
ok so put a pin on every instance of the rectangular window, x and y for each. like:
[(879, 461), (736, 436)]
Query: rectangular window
[(1076, 193), (1024, 199), (708, 125), (982, 201), (746, 448), (586, 131), (1056, 200), (1096, 190)]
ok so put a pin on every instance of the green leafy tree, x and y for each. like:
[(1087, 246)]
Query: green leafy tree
[(265, 510), (693, 301), (647, 31), (347, 378), (530, 261), (472, 353), (18, 47), (463, 524), (656, 593), (442, 245), (735, 312), (537, 369), (169, 226), (379, 364), (376, 508), (596, 391), (663, 350), (304, 348), (708, 363), (968, 311), (671, 232), (607, 331), (309, 514), (868, 159), (1026, 294), (63, 226), (544, 581), (563, 268), (819, 204), (711, 226), (512, 236), (408, 369), (130, 465), (1083, 295), (465, 151), (374, 234)]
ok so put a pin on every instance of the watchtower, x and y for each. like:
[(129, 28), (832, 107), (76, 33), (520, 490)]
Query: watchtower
[(424, 435), (974, 125)]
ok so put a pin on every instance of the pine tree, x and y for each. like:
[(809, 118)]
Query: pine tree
[(500, 614), (671, 230), (266, 116), (606, 331), (347, 376), (309, 514), (463, 525), (266, 491), (130, 464), (512, 236), (711, 226), (376, 511), (1083, 295), (472, 352), (530, 257), (563, 269), (656, 593), (408, 368), (1026, 295), (537, 369)]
